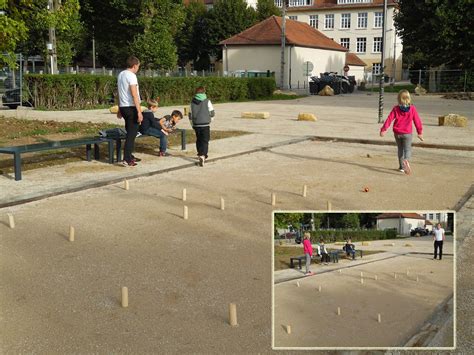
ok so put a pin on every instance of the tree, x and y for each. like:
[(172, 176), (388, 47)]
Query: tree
[(267, 8), (226, 19), (188, 41), (436, 32), (12, 32), (350, 221), (155, 46)]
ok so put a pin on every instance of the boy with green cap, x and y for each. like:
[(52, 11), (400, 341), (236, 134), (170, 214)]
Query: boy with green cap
[(201, 115)]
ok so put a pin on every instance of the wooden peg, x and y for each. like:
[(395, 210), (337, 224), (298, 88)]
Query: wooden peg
[(329, 205), (288, 329), (71, 233), (305, 190), (222, 204), (233, 314), (273, 199), (124, 297), (379, 318), (11, 221), (126, 185), (185, 212), (338, 311), (184, 194)]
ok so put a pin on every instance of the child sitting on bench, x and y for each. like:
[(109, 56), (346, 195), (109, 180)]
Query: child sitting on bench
[(323, 252), (349, 248), (159, 127)]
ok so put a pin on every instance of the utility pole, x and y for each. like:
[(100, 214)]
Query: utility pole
[(382, 62), (283, 38), (52, 48), (93, 48)]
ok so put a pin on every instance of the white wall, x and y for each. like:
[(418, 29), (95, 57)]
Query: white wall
[(265, 58), (358, 72), (323, 61), (407, 224)]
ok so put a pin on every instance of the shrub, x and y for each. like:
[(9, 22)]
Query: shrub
[(82, 91)]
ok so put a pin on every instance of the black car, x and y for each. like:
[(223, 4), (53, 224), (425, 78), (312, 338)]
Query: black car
[(11, 99), (420, 231)]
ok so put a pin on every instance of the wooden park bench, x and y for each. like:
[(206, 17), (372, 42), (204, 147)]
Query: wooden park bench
[(17, 151), (118, 142), (343, 252)]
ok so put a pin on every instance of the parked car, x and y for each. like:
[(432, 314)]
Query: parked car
[(11, 99), (420, 231), (339, 83)]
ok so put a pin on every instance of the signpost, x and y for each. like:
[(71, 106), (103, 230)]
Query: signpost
[(308, 68)]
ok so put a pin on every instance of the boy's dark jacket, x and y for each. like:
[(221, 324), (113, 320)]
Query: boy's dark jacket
[(149, 120)]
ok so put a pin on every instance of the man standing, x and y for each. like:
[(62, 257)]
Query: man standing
[(129, 107), (438, 241)]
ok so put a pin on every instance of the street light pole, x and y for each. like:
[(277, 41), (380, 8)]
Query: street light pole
[(52, 40), (382, 62), (283, 38)]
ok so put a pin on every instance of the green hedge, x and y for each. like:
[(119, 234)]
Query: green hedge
[(76, 91), (355, 235)]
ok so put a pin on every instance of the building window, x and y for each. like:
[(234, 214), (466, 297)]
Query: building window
[(313, 21), (378, 19), (438, 217), (376, 69), (293, 3), (329, 21), (345, 20), (361, 45), (362, 20), (345, 42), (293, 17), (377, 45), (343, 2)]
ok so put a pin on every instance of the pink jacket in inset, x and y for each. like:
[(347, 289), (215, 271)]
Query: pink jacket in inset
[(403, 121), (307, 247)]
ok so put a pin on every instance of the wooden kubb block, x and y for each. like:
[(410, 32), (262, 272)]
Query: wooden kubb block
[(258, 115), (307, 117)]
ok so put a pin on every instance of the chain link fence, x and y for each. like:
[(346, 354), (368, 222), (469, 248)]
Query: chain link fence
[(11, 79)]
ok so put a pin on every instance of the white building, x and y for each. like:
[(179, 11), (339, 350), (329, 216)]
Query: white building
[(402, 222), (259, 48), (356, 25)]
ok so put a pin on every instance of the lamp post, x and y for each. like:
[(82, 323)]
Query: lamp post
[(283, 38), (382, 62)]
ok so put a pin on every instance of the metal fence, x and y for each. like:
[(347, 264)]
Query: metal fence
[(11, 89), (443, 80)]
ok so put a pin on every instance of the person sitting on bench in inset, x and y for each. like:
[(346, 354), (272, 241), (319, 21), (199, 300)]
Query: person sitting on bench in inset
[(159, 127), (323, 252), (349, 248)]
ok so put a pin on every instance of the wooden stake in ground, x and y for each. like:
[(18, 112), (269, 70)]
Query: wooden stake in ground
[(319, 288), (288, 329), (417, 279), (395, 275), (126, 185), (329, 206), (11, 221), (184, 194), (185, 212), (297, 284), (71, 233), (222, 204), (273, 199), (379, 318), (338, 311), (340, 271), (361, 274), (362, 281), (408, 272), (305, 190), (233, 314), (124, 297), (375, 277)]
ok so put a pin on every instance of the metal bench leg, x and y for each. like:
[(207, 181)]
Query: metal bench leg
[(183, 139), (111, 151), (88, 152), (17, 163), (291, 264), (118, 145), (96, 152)]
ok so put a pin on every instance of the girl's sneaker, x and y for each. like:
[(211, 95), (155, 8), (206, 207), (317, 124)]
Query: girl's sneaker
[(406, 167), (129, 163)]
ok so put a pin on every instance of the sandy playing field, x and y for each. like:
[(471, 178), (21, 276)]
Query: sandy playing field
[(403, 303), (61, 297)]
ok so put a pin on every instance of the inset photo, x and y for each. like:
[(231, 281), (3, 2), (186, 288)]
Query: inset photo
[(359, 280)]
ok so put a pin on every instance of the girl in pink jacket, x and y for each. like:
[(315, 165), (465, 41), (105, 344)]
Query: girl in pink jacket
[(308, 252), (403, 115)]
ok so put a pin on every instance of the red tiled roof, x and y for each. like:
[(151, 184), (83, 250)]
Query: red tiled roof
[(352, 59), (297, 33), (400, 215), (332, 4)]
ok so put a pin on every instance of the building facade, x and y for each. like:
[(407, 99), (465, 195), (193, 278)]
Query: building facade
[(356, 25), (402, 222)]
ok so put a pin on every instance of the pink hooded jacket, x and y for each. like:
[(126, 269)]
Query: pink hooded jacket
[(307, 247), (403, 121)]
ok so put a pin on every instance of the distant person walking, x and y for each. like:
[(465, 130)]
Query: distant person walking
[(308, 252), (403, 115), (201, 115), (438, 238), (129, 107)]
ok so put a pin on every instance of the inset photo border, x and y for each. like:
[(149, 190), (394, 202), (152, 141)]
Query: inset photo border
[(378, 280)]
